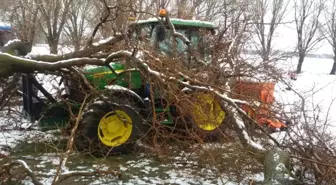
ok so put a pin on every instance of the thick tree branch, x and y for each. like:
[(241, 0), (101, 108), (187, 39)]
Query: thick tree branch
[(10, 64), (82, 53)]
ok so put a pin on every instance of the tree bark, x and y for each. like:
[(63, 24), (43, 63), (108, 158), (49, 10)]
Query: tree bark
[(333, 69), (53, 45), (299, 65)]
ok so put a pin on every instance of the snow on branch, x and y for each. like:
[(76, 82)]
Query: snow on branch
[(87, 52), (11, 64)]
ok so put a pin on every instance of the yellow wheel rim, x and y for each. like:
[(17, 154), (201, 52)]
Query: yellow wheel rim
[(207, 112), (115, 128)]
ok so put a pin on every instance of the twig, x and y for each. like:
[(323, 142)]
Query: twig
[(26, 168), (65, 176), (314, 161), (65, 156)]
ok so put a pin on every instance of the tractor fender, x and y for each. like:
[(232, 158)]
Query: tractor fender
[(121, 91)]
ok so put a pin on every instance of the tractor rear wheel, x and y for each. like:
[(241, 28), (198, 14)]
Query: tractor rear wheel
[(205, 118), (110, 127)]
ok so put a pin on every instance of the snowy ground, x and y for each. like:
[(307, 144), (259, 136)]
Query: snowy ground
[(316, 87)]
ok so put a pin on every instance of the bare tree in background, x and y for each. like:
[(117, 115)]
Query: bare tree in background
[(121, 14), (329, 29), (53, 18), (77, 22), (114, 15), (150, 6), (307, 14), (268, 15), (213, 10), (3, 9)]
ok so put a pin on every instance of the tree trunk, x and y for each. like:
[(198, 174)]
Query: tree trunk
[(299, 66), (53, 45), (265, 57), (333, 69), (122, 16), (182, 5), (77, 45)]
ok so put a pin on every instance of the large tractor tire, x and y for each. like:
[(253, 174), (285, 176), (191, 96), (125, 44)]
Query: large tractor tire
[(110, 127), (205, 119)]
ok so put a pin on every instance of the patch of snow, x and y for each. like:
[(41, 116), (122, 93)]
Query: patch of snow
[(276, 157), (4, 23), (104, 41), (280, 167), (25, 165), (40, 49), (40, 166), (11, 41)]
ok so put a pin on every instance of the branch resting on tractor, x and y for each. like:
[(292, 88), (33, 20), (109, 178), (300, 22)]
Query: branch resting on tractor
[(271, 159), (10, 64), (229, 103), (87, 52), (233, 101)]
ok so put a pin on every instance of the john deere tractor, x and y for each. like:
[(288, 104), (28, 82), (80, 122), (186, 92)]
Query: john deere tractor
[(121, 113)]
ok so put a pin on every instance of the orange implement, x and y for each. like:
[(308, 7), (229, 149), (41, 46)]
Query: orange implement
[(254, 90), (263, 93)]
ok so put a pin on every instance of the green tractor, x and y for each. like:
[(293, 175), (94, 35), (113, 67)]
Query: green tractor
[(122, 114)]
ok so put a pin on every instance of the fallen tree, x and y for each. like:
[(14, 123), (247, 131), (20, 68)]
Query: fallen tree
[(157, 69), (168, 72)]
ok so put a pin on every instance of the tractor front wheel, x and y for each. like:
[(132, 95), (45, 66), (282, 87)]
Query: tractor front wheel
[(107, 128)]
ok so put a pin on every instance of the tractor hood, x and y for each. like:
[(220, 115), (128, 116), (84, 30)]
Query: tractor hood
[(98, 70), (102, 76)]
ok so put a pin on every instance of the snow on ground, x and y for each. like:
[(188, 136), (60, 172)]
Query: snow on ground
[(315, 85), (14, 129), (317, 89), (42, 49)]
